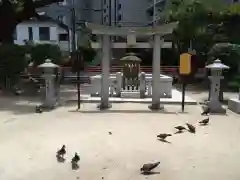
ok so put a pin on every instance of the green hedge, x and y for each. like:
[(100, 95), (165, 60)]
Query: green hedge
[(41, 52), (13, 59), (12, 62)]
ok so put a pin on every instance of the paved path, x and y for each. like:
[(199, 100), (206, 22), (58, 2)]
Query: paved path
[(28, 143)]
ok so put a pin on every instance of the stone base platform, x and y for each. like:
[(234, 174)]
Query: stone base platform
[(234, 105), (176, 99)]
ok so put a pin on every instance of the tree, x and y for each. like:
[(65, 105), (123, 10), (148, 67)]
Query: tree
[(13, 12), (198, 22)]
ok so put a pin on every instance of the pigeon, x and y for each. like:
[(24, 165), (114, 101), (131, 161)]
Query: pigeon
[(163, 136), (75, 159), (206, 110), (38, 109), (180, 128), (61, 152), (204, 121), (149, 167), (191, 128)]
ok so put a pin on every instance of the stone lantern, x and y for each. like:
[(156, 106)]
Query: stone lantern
[(216, 69), (49, 75)]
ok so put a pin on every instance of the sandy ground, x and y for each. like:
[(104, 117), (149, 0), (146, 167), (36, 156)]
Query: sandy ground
[(28, 143)]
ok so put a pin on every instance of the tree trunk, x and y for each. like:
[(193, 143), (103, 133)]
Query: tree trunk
[(7, 22), (6, 32)]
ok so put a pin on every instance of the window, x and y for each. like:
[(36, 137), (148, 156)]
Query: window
[(64, 2), (30, 33), (104, 2), (119, 17), (63, 37), (119, 6), (60, 18), (44, 33), (235, 1), (104, 10)]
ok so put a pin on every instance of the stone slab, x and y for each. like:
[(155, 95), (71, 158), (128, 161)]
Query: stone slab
[(234, 105), (176, 99)]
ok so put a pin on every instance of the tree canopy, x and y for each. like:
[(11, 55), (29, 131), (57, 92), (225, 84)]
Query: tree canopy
[(13, 12), (203, 23)]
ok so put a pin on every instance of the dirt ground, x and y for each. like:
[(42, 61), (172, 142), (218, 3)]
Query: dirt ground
[(28, 143)]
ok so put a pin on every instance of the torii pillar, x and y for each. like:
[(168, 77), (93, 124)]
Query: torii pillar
[(105, 63), (156, 63)]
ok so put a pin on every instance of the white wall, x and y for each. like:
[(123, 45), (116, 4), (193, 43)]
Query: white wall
[(55, 30)]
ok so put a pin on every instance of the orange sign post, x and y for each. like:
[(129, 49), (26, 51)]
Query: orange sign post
[(184, 70), (185, 64)]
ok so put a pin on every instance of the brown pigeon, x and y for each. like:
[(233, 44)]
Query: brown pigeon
[(163, 136), (204, 121), (61, 152), (149, 167), (75, 159), (191, 128)]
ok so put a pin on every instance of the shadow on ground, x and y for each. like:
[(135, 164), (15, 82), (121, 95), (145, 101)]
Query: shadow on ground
[(97, 111), (19, 104)]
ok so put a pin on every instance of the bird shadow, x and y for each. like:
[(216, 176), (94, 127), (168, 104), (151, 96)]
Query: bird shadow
[(60, 159), (75, 166), (149, 173), (191, 132), (203, 124), (164, 141), (179, 132), (204, 114)]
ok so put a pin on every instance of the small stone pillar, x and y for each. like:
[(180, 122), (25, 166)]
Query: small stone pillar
[(142, 79), (215, 78), (50, 99), (118, 84), (234, 103)]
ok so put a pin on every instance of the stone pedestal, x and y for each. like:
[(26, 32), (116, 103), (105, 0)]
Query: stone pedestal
[(234, 104), (118, 84), (142, 79), (50, 100), (214, 103)]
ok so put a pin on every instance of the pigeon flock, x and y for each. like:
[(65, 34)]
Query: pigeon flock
[(146, 168), (62, 152)]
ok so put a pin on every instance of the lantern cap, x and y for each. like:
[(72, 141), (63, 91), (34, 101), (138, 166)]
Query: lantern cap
[(48, 64), (217, 65)]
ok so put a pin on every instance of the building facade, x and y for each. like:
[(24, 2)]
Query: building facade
[(43, 31)]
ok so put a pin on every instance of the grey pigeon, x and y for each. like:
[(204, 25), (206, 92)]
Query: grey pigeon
[(191, 128), (180, 128), (61, 152), (75, 159), (163, 136), (206, 110), (38, 109), (149, 167)]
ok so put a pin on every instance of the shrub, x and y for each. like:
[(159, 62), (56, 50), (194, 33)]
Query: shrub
[(12, 62), (41, 52)]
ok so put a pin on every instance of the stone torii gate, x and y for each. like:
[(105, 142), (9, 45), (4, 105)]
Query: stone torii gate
[(106, 32)]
